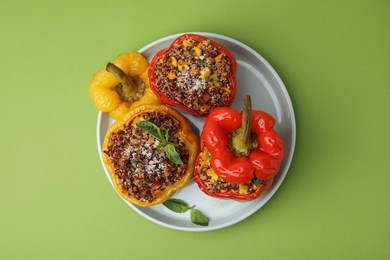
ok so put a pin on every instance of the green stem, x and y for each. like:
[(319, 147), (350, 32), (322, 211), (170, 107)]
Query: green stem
[(130, 89), (241, 140), (246, 123)]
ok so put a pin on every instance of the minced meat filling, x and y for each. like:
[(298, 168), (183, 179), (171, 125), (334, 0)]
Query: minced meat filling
[(195, 75), (216, 184), (141, 168)]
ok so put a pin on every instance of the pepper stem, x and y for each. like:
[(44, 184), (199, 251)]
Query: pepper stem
[(130, 88), (241, 140)]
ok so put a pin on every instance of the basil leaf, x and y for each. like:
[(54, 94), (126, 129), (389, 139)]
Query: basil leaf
[(198, 218), (176, 205), (180, 206), (159, 146), (151, 129), (172, 155), (167, 135)]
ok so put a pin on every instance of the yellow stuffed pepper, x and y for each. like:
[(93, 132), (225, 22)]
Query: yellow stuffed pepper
[(122, 85), (150, 154)]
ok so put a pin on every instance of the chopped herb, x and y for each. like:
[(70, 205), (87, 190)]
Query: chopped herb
[(134, 165), (258, 182), (192, 52)]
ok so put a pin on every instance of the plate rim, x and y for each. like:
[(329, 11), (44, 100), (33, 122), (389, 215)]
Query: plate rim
[(274, 187)]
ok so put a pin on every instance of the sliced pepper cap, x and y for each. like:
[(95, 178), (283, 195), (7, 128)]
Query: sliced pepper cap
[(130, 89)]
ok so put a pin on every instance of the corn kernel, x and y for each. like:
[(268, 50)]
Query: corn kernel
[(205, 158), (204, 155), (205, 73), (210, 172), (181, 67), (173, 61), (218, 58), (227, 90), (243, 188), (188, 42), (197, 51), (171, 75)]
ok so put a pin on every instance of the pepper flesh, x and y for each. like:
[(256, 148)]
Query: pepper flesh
[(262, 162), (184, 39), (184, 134), (103, 88)]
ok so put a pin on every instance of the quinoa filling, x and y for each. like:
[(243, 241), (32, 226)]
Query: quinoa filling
[(142, 167), (195, 75)]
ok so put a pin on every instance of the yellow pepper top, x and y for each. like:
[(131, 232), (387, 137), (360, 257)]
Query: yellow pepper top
[(122, 85)]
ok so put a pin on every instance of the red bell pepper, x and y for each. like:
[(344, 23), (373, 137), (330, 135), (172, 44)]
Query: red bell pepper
[(244, 151), (185, 100)]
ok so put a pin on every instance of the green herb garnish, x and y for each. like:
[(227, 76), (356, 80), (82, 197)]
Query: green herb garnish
[(134, 165), (180, 206), (198, 218), (192, 52), (176, 205), (171, 153), (258, 182), (154, 130), (151, 129)]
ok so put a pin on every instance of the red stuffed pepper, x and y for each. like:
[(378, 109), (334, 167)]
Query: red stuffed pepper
[(240, 153), (195, 74)]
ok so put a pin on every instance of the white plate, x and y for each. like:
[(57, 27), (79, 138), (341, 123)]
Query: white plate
[(254, 77)]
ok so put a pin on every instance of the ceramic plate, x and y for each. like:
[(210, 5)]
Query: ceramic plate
[(255, 77)]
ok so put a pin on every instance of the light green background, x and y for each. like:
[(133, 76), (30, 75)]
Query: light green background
[(334, 58)]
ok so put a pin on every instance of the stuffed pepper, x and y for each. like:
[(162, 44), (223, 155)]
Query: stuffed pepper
[(195, 74), (122, 85), (150, 154), (240, 153)]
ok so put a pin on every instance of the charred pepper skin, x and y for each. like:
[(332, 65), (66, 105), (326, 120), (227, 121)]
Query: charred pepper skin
[(221, 49)]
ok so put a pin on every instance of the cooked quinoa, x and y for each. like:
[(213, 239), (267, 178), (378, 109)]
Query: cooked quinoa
[(195, 75), (141, 168)]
